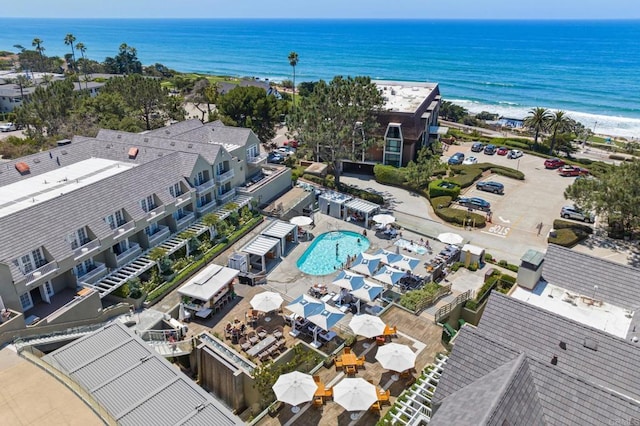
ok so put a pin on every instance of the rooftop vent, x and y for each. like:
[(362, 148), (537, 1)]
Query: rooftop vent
[(172, 143), (590, 344), (146, 139), (119, 136), (167, 132), (36, 160), (160, 154), (22, 168), (63, 152), (554, 360), (563, 345), (190, 145), (133, 153)]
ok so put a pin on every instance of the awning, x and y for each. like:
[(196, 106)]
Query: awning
[(438, 130), (206, 284), (278, 229), (261, 245), (362, 206)]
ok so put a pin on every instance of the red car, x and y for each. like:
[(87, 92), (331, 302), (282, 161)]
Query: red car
[(573, 171), (291, 143), (553, 163), (503, 150)]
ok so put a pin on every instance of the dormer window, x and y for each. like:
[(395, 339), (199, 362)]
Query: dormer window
[(31, 261), (78, 238), (176, 190), (115, 220), (148, 204)]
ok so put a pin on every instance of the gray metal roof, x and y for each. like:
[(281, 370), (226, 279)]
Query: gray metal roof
[(533, 257), (278, 229), (362, 206), (260, 245), (517, 342), (134, 384), (210, 133), (578, 272)]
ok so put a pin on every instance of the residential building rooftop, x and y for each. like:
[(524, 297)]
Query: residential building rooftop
[(404, 96)]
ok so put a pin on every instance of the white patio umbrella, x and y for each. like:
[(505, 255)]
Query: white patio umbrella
[(383, 219), (266, 301), (365, 264), (301, 220), (396, 357), (366, 325), (450, 238), (348, 280), (389, 275), (355, 394), (295, 388)]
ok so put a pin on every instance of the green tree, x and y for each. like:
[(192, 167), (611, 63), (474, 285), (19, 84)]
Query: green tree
[(69, 39), (306, 88), (158, 254), (614, 195), (38, 44), (125, 62), (190, 236), (293, 61), (211, 221), (558, 123), (252, 108), (538, 121), (452, 112), (419, 172), (204, 93), (338, 117)]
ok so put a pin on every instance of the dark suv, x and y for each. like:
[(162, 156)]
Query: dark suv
[(456, 158), (490, 186), (490, 149), (477, 147), (475, 203)]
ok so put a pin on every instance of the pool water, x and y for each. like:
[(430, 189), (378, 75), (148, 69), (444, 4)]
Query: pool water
[(321, 257)]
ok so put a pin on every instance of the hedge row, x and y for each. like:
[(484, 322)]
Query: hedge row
[(440, 202), (329, 182), (436, 190), (460, 217), (389, 174), (568, 237), (563, 224), (508, 172), (467, 175)]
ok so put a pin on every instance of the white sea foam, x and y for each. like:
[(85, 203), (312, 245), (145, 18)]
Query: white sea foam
[(603, 124)]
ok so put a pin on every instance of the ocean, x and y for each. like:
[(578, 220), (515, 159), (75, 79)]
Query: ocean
[(591, 69)]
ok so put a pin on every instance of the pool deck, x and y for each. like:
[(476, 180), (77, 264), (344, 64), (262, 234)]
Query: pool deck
[(323, 258)]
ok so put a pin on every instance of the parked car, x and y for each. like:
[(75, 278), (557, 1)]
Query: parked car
[(477, 147), (573, 212), (291, 143), (569, 170), (275, 157), (490, 149), (503, 150), (470, 160), (286, 151), (553, 163), (456, 158), (475, 203), (491, 186), (515, 153), (8, 127)]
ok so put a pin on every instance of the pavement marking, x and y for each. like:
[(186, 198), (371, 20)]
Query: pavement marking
[(504, 220), (498, 231)]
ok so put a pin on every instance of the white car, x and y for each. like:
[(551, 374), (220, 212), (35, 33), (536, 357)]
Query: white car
[(470, 160), (8, 127), (286, 151), (514, 153)]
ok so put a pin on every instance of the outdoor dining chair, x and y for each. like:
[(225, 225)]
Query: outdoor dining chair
[(262, 333), (253, 337)]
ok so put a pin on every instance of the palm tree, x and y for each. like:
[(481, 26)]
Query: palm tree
[(293, 61), (538, 120), (69, 39), (559, 123), (82, 48), (23, 82), (37, 43)]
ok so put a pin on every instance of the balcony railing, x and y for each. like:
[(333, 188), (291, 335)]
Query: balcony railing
[(155, 213), (161, 235), (42, 272), (124, 230), (257, 159), (185, 220), (94, 275), (128, 255), (206, 208), (183, 199), (225, 177), (205, 186), (226, 197), (86, 249)]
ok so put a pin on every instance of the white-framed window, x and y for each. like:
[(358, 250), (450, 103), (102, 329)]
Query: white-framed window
[(147, 204), (78, 238), (252, 151), (116, 219), (200, 179), (220, 168), (38, 257), (27, 265), (48, 288), (179, 213), (151, 229), (202, 200), (175, 190), (121, 247), (26, 301), (32, 261), (84, 267)]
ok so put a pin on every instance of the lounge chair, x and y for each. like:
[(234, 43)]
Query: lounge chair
[(351, 370), (316, 378), (347, 350), (328, 393), (375, 407), (338, 365)]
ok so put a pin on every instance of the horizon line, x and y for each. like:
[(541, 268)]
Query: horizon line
[(574, 19)]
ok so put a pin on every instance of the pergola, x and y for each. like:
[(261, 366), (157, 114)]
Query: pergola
[(210, 285), (365, 208), (284, 231), (262, 248)]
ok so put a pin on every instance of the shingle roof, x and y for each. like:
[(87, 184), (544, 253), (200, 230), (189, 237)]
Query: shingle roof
[(516, 342), (134, 384), (210, 133), (578, 272)]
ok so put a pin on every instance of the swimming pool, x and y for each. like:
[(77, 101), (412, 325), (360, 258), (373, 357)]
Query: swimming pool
[(329, 251)]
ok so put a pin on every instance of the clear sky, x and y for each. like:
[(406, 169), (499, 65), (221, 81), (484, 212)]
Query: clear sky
[(414, 9)]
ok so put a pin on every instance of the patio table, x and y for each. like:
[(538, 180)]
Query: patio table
[(261, 346), (204, 313)]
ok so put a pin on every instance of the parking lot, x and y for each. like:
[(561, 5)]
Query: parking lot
[(525, 204)]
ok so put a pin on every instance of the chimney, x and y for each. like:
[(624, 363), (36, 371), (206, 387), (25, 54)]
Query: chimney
[(554, 360)]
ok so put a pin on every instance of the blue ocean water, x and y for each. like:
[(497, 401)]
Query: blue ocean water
[(588, 68)]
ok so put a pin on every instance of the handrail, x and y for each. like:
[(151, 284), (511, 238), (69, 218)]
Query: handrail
[(41, 271), (87, 248), (446, 309)]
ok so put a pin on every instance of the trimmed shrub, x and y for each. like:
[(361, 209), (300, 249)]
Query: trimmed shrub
[(563, 224), (440, 202), (508, 172), (568, 237), (584, 161), (388, 174), (508, 279), (436, 189), (459, 217), (468, 175)]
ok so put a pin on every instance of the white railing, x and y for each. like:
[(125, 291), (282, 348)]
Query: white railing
[(128, 255), (205, 185), (206, 207), (125, 229), (95, 274), (161, 235), (226, 197), (41, 272), (185, 220), (86, 249), (224, 177), (257, 159), (155, 213), (183, 199)]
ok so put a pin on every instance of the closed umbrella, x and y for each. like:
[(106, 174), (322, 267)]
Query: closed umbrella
[(396, 357), (450, 238), (366, 325), (301, 220), (295, 388), (355, 394), (383, 219)]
